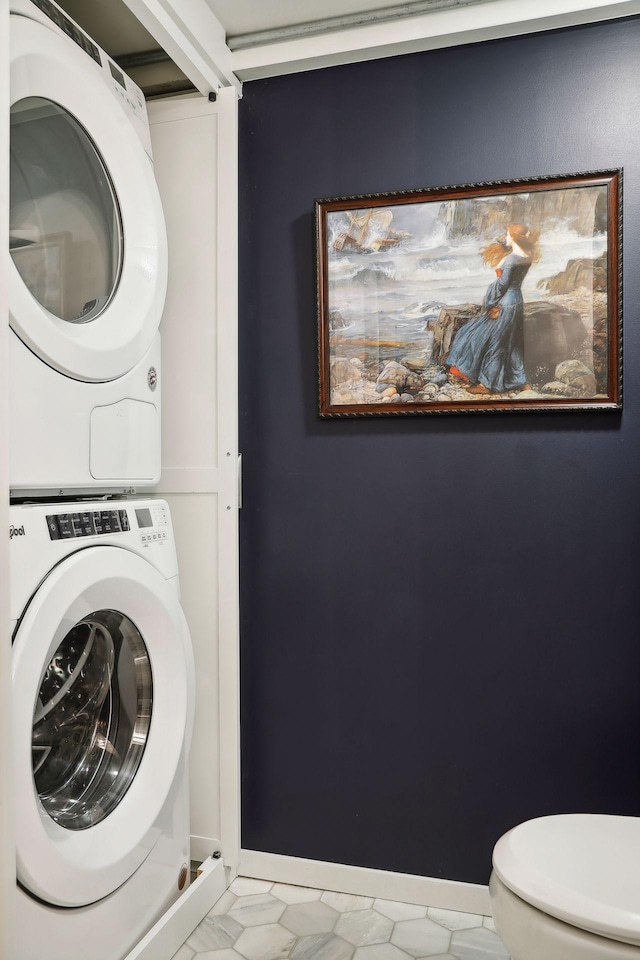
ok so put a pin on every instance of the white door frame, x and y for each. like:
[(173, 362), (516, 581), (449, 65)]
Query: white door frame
[(194, 39), (229, 499)]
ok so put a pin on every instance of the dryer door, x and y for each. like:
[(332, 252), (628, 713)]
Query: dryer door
[(86, 235), (103, 710)]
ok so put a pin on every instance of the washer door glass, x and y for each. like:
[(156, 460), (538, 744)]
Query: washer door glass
[(91, 720), (65, 232)]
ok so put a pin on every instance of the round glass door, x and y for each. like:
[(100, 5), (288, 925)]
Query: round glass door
[(91, 719), (65, 230)]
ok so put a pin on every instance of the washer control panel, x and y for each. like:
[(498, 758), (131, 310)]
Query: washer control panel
[(44, 535), (153, 522), (86, 523)]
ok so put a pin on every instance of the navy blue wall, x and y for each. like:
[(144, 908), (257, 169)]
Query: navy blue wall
[(440, 616)]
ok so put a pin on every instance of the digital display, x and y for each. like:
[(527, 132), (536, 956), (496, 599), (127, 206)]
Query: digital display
[(115, 73), (144, 517)]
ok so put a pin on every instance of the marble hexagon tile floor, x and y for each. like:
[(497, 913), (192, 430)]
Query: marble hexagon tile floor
[(259, 920)]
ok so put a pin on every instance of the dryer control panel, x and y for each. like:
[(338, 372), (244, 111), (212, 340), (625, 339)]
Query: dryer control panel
[(126, 91), (69, 27)]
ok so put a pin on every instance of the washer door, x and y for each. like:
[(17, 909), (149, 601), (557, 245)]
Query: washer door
[(103, 710), (86, 235)]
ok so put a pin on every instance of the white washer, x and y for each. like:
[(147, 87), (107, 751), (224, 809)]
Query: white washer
[(103, 688), (88, 270)]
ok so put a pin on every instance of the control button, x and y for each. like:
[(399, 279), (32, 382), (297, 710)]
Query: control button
[(76, 525), (86, 524), (124, 519), (106, 518), (97, 522), (54, 530), (115, 521), (64, 526)]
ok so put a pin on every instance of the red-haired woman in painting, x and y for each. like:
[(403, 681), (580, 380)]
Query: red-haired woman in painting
[(487, 354)]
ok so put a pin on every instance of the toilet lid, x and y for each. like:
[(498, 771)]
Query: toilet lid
[(581, 868)]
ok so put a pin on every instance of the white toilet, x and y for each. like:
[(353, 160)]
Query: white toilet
[(567, 887)]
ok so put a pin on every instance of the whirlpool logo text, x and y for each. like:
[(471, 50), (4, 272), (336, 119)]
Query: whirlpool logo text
[(16, 531)]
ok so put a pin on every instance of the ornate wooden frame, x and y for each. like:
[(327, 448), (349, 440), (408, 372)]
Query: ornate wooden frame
[(344, 221)]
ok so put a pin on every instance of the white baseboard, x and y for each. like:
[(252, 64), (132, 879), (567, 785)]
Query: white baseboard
[(404, 887), (203, 847), (167, 936)]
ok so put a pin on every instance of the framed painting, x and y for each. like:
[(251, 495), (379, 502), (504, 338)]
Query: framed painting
[(481, 297)]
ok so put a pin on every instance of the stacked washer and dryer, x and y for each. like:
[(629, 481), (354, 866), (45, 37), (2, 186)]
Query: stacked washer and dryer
[(103, 667)]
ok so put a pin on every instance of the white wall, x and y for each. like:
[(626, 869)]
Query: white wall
[(7, 859), (195, 149)]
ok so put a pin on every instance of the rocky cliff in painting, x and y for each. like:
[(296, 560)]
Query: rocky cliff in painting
[(581, 210), (581, 272)]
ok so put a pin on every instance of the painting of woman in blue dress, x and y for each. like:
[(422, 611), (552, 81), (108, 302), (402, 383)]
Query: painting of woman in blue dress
[(487, 355)]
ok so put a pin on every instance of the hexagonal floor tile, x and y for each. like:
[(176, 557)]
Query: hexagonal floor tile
[(305, 919), (218, 955), (453, 920), (322, 946), (289, 893), (223, 905), (258, 909), (400, 911), (268, 942), (184, 953), (345, 902), (381, 951), (421, 938), (440, 956), (214, 933), (247, 886), (478, 944), (362, 927)]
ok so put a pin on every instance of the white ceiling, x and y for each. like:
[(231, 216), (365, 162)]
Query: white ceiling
[(271, 37), (117, 30), (246, 23), (253, 16)]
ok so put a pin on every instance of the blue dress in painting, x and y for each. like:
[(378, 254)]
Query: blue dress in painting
[(490, 350)]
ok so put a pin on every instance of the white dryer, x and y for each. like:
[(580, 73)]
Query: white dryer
[(103, 688), (88, 268)]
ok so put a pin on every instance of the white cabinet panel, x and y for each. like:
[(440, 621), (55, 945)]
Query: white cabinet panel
[(195, 153)]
